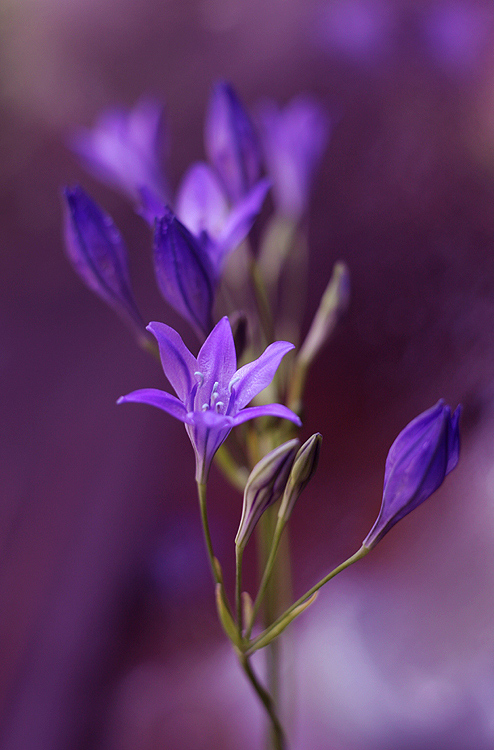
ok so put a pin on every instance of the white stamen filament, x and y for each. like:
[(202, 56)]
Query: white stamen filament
[(232, 383)]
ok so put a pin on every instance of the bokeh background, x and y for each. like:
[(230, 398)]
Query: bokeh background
[(108, 634)]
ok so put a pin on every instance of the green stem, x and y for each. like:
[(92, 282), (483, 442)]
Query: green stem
[(238, 587), (266, 576), (357, 556), (201, 491), (277, 734)]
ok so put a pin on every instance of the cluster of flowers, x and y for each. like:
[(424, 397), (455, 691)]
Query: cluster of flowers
[(195, 234)]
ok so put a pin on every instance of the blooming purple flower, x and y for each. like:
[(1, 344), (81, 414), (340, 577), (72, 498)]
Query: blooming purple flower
[(417, 463), (231, 142), (125, 149), (212, 393), (293, 139), (203, 206), (98, 253)]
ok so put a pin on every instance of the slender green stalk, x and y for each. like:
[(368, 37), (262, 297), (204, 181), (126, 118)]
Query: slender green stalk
[(238, 587), (201, 491), (357, 556), (261, 298), (277, 734), (266, 576)]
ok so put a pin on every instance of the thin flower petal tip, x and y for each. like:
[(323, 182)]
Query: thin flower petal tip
[(98, 254), (208, 388), (294, 139), (232, 144), (418, 461), (184, 273), (125, 148)]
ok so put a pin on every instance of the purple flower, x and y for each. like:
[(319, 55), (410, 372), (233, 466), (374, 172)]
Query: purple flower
[(212, 393), (203, 207), (231, 142), (184, 272), (125, 149), (98, 253), (418, 461), (294, 139)]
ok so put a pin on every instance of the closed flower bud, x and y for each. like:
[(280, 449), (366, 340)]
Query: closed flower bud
[(184, 272), (231, 142), (98, 253), (264, 487), (418, 461), (333, 304), (303, 470)]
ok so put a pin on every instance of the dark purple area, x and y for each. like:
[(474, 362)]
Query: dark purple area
[(108, 631)]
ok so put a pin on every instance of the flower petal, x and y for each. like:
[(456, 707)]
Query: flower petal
[(184, 273), (125, 147), (294, 139), (453, 440), (242, 217), (161, 399), (411, 437), (217, 361), (268, 410), (201, 202), (98, 253), (231, 142), (178, 363), (257, 375)]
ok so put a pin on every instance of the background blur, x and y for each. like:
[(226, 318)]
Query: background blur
[(108, 633)]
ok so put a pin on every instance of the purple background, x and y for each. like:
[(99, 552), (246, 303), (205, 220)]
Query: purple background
[(108, 632)]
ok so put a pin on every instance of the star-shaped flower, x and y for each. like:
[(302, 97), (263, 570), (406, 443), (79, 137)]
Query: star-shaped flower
[(212, 393)]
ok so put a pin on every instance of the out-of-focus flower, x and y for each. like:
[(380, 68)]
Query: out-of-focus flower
[(125, 149), (417, 463), (203, 207), (264, 487), (184, 272), (231, 142), (98, 253), (303, 470), (294, 139), (212, 393)]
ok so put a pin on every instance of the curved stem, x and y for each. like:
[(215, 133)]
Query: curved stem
[(277, 734), (357, 556)]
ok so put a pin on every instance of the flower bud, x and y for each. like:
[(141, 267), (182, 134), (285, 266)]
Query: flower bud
[(417, 463), (231, 142), (98, 254), (303, 470), (264, 487), (333, 304), (184, 273), (293, 139)]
